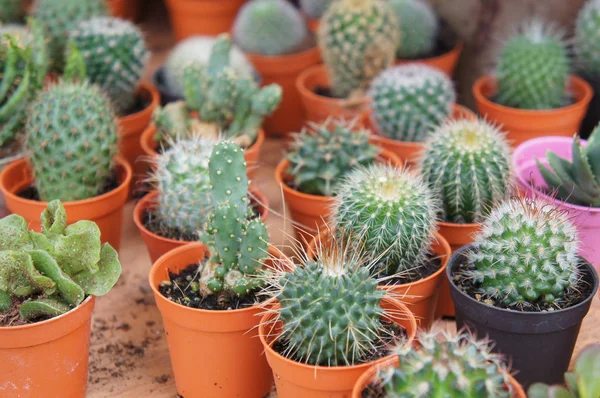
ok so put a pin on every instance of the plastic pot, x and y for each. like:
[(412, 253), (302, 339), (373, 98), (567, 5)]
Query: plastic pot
[(125, 9), (106, 210), (522, 125), (48, 358), (3, 163), (445, 62), (539, 345)]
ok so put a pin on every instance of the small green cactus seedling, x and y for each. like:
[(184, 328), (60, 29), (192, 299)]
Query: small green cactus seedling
[(467, 163), (11, 11), (53, 271), (419, 27), (358, 39), (315, 8), (409, 101), (587, 39)]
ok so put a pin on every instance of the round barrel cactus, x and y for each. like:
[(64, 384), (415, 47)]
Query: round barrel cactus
[(315, 8), (419, 27), (587, 39)]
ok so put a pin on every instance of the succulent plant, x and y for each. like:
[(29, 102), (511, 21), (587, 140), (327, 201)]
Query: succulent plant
[(315, 8), (419, 27), (358, 39), (587, 36), (409, 101), (533, 68), (72, 134), (53, 271), (269, 27), (11, 11), (321, 155), (468, 164), (115, 56)]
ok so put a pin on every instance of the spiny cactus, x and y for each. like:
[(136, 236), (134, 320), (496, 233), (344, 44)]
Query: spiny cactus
[(321, 155), (533, 68), (115, 56), (72, 135), (269, 27), (315, 8), (419, 27), (467, 163), (526, 254), (392, 211), (587, 39), (55, 269), (408, 101), (358, 39), (11, 11)]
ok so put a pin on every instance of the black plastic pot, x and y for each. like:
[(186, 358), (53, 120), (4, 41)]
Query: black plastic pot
[(538, 345)]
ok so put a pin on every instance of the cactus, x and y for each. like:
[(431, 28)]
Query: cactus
[(392, 211), (11, 11), (526, 255), (53, 270), (587, 36), (315, 8), (467, 163), (358, 39), (269, 27), (533, 68), (447, 365), (419, 28), (410, 100), (322, 155), (115, 56), (72, 135)]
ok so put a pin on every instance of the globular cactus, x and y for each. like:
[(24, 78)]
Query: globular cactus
[(11, 11), (526, 255), (72, 135), (468, 164), (392, 211), (269, 27), (419, 27), (55, 269), (358, 39), (533, 68), (315, 8), (409, 101), (587, 39), (115, 57), (322, 155)]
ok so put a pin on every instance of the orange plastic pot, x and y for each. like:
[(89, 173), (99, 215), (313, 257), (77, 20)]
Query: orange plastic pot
[(48, 358), (298, 380), (284, 70), (158, 245), (522, 125), (202, 17), (125, 9), (446, 62), (106, 210), (214, 354)]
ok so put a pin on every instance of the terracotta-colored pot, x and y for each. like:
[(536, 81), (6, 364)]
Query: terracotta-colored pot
[(202, 17), (106, 210), (445, 62), (313, 24), (214, 354), (284, 71), (522, 125), (158, 245), (125, 9), (49, 358)]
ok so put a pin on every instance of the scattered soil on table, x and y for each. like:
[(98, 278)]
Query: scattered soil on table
[(31, 192)]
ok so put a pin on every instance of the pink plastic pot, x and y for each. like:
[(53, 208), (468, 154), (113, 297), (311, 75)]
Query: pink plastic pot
[(530, 181)]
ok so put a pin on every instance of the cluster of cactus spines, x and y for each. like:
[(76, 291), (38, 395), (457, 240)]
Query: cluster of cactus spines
[(468, 164), (72, 135), (56, 268), (11, 11), (321, 155), (115, 56), (587, 36), (408, 101), (419, 27), (269, 27), (533, 68), (525, 255), (315, 8), (358, 39), (447, 365)]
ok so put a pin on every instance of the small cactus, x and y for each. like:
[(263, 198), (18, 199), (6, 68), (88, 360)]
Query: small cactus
[(587, 39), (419, 27), (315, 8)]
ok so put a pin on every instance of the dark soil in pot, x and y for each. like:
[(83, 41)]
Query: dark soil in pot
[(166, 95)]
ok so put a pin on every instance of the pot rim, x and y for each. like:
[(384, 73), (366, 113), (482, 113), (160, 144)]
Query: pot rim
[(292, 57), (305, 91), (457, 47), (454, 225), (152, 92)]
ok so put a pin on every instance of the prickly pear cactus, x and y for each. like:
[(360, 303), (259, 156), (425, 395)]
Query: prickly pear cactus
[(358, 39), (409, 101), (315, 8), (419, 27), (11, 11), (587, 39)]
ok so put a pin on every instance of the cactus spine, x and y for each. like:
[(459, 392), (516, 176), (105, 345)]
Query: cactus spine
[(419, 27), (587, 36)]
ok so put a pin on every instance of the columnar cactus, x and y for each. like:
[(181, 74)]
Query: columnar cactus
[(419, 27), (467, 163), (587, 39), (115, 56), (533, 68), (358, 39), (315, 8), (408, 101), (11, 11), (72, 135), (322, 155), (269, 27), (55, 269)]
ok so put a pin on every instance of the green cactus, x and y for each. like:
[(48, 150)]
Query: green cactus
[(115, 56), (468, 164), (315, 8), (533, 68), (358, 39), (419, 28), (56, 269), (409, 101), (72, 135), (587, 36), (11, 11)]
